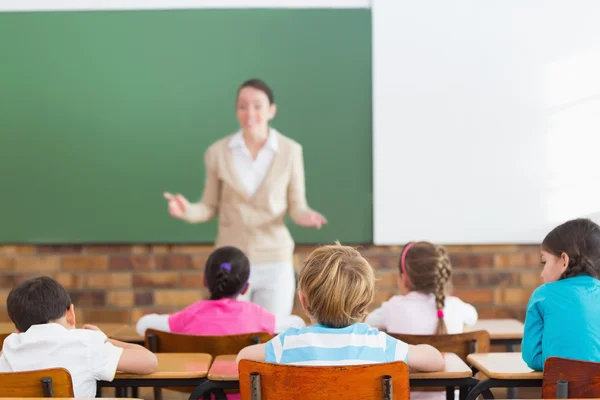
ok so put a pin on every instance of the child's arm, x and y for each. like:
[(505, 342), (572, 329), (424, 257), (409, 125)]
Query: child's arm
[(153, 321), (135, 358), (130, 358), (531, 346), (255, 352), (424, 357), (377, 319)]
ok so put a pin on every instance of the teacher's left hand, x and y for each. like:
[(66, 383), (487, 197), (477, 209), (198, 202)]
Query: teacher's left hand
[(311, 219)]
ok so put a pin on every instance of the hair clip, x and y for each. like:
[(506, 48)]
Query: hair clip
[(440, 313), (226, 266)]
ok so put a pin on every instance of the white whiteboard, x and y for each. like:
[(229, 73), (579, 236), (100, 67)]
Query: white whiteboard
[(486, 118)]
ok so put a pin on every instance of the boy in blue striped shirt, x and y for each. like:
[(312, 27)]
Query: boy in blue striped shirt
[(335, 287)]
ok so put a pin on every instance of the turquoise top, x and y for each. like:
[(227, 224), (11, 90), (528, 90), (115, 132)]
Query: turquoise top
[(563, 320)]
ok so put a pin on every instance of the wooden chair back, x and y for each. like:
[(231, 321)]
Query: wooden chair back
[(54, 382), (461, 344), (3, 336), (266, 381), (565, 378), (166, 342)]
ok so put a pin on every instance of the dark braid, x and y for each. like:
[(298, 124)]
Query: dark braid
[(226, 272), (429, 270), (220, 285)]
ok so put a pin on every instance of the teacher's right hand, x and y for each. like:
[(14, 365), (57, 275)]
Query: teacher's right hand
[(178, 205)]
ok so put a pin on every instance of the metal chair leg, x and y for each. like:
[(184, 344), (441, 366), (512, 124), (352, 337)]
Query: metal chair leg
[(388, 390), (47, 387), (255, 392)]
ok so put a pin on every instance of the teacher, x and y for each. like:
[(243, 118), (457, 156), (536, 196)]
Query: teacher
[(253, 179)]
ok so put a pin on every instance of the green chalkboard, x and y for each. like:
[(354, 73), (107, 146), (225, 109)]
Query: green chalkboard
[(100, 112)]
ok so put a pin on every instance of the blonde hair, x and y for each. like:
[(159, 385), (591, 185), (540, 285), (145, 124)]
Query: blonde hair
[(338, 285), (429, 270)]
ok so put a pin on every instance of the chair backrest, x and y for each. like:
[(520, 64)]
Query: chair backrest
[(165, 342), (4, 336), (266, 381), (582, 377), (54, 382), (461, 344)]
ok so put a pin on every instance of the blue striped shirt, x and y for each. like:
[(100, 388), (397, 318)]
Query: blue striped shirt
[(320, 345)]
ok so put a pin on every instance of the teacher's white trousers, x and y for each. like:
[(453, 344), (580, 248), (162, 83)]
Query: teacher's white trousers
[(272, 286)]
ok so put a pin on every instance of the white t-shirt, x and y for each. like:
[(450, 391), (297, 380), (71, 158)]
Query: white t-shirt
[(84, 353), (415, 314)]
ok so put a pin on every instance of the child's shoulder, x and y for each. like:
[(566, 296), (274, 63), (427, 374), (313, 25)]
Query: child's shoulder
[(253, 307), (395, 300), (355, 329), (87, 336), (454, 300)]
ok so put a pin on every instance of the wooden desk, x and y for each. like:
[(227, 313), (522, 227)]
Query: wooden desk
[(176, 365), (174, 369), (500, 329), (224, 368), (223, 374), (127, 333), (502, 370), (455, 369)]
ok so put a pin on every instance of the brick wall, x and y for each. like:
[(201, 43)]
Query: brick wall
[(121, 283)]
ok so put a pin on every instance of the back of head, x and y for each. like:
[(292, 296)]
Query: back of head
[(428, 270), (226, 272), (37, 301), (580, 240), (337, 284)]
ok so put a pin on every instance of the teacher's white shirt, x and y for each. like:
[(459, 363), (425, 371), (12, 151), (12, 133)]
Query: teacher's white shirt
[(252, 172)]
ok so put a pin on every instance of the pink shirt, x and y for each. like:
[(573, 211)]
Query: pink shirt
[(222, 317)]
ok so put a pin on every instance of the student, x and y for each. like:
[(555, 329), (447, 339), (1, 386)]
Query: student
[(226, 275), (423, 306), (253, 179), (562, 314), (46, 338), (335, 287)]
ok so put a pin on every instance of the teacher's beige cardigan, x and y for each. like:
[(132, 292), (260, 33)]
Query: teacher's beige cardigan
[(254, 224)]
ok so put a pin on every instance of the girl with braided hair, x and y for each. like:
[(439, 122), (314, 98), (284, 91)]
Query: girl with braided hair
[(423, 306), (562, 318), (226, 275)]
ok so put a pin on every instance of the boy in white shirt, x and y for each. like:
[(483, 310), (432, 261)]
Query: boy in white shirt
[(46, 338)]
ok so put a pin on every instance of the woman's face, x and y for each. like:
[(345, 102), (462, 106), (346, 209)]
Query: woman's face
[(553, 266), (254, 111)]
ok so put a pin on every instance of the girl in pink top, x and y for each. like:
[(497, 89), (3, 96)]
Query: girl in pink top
[(226, 276), (424, 306)]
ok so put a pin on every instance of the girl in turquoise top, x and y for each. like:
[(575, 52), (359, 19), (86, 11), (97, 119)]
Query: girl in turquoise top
[(563, 315)]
